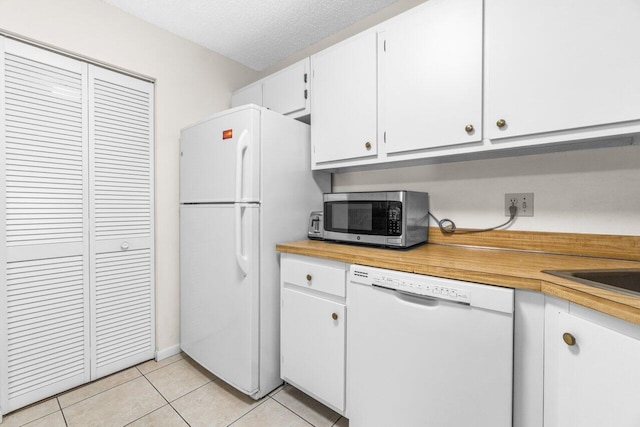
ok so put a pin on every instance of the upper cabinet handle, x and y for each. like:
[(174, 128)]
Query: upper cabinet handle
[(501, 123), (367, 145), (468, 128)]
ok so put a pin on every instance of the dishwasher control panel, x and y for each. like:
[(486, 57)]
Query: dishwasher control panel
[(411, 284)]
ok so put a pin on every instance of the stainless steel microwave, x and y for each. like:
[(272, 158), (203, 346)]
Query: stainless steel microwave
[(397, 219)]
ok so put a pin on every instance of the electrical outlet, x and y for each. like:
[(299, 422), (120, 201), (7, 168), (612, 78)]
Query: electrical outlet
[(524, 202)]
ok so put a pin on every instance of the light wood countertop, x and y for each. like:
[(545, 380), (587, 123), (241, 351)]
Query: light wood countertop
[(501, 267)]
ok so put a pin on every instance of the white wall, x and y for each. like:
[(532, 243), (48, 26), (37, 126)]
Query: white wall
[(191, 83), (586, 191)]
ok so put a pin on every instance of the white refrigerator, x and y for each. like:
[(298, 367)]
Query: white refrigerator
[(245, 185)]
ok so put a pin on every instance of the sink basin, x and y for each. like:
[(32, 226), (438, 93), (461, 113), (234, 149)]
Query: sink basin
[(626, 281)]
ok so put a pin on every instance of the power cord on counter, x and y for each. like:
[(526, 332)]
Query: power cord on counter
[(447, 226)]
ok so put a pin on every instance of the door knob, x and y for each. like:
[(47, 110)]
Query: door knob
[(501, 123), (569, 339), (334, 316)]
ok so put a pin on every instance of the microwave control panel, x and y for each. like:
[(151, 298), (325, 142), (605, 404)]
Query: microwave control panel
[(394, 219)]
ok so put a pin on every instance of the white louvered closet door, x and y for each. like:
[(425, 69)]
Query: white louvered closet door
[(44, 266), (121, 181)]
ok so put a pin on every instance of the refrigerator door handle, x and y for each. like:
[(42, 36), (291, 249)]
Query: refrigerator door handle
[(241, 258), (243, 144)]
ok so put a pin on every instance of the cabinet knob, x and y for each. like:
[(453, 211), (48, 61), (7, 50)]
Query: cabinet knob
[(124, 246), (501, 123), (367, 145), (308, 277), (568, 338), (468, 128), (334, 316)]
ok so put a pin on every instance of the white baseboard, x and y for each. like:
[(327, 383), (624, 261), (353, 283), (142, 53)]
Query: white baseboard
[(167, 352)]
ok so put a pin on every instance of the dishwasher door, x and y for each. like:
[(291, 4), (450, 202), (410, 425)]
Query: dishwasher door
[(413, 361)]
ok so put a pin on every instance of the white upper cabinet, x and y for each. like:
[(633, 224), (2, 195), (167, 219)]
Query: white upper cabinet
[(285, 92), (559, 66), (431, 76), (344, 101), (466, 77), (251, 94)]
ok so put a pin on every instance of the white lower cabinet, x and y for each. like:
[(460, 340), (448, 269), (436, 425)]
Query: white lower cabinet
[(313, 328), (592, 377), (572, 366)]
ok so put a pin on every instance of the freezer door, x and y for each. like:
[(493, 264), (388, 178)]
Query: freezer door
[(219, 159), (219, 291)]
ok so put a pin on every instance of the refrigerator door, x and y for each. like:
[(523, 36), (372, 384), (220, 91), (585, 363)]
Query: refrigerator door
[(219, 158), (219, 292)]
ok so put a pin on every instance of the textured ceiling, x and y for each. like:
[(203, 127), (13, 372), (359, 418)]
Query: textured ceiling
[(256, 33)]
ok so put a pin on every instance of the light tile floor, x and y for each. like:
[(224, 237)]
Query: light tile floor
[(173, 392)]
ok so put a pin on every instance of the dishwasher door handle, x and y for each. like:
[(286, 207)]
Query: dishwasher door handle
[(427, 300)]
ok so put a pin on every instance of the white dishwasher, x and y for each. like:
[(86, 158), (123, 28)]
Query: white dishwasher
[(426, 351)]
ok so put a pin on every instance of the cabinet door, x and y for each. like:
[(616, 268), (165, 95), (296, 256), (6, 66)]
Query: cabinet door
[(554, 66), (431, 76), (251, 94), (44, 270), (344, 101), (313, 345), (286, 91), (598, 376), (121, 180)]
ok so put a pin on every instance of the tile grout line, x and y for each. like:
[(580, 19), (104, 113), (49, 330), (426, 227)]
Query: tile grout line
[(169, 403), (5, 416), (99, 393), (182, 395), (250, 410), (153, 370), (292, 411), (110, 388), (285, 405), (62, 412)]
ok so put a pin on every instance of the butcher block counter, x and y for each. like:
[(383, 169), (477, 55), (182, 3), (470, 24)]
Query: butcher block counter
[(504, 258)]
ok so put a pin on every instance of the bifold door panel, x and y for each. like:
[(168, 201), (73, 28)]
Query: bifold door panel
[(76, 169)]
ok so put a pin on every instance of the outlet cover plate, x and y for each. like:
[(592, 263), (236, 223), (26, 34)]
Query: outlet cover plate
[(524, 202)]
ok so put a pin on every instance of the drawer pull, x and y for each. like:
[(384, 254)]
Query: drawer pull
[(468, 128), (569, 339), (367, 145), (308, 277), (334, 316), (501, 123)]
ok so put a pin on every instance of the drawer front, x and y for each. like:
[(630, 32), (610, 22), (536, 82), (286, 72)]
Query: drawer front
[(314, 273)]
